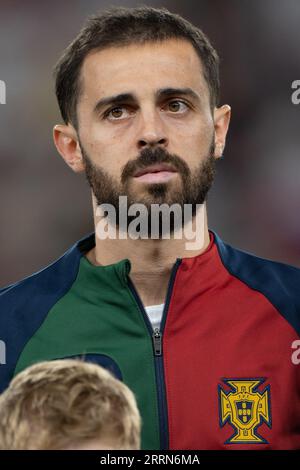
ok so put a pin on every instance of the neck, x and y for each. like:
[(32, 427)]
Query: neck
[(152, 259)]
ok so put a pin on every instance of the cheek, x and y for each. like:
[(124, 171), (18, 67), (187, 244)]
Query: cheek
[(97, 143), (195, 138), (194, 143), (107, 138), (192, 127), (106, 155)]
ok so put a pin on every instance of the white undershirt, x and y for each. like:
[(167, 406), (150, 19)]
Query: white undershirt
[(154, 313)]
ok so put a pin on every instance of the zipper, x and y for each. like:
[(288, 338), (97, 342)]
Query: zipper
[(157, 337), (157, 342)]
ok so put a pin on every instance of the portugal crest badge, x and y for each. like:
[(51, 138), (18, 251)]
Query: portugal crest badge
[(245, 408)]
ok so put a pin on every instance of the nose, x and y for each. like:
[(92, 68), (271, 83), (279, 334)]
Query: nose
[(151, 131)]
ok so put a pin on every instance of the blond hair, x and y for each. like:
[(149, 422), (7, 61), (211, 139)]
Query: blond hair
[(57, 404)]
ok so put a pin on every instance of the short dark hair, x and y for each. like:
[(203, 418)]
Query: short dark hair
[(121, 26)]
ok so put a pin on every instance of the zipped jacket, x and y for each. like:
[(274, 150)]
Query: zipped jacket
[(221, 372)]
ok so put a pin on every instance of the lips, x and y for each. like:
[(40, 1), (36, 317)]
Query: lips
[(155, 169)]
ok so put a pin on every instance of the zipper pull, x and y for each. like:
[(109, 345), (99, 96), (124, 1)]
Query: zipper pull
[(157, 337)]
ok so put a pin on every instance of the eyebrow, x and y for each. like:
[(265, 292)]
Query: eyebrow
[(131, 97)]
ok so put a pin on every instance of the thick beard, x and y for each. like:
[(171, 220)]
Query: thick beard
[(192, 189)]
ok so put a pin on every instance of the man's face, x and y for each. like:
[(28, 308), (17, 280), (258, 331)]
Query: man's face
[(154, 126)]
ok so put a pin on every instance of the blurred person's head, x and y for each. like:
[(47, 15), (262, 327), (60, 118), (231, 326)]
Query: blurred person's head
[(68, 404), (137, 87)]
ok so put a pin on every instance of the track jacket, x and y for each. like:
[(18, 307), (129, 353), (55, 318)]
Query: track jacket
[(221, 373)]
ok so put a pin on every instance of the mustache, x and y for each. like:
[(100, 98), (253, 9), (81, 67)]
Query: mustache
[(150, 156)]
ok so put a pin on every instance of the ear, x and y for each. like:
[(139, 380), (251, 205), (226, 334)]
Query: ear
[(67, 144), (221, 124)]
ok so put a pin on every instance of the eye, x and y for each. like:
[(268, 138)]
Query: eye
[(115, 113), (174, 106)]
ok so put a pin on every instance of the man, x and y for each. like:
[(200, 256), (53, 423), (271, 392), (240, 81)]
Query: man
[(202, 333), (68, 405)]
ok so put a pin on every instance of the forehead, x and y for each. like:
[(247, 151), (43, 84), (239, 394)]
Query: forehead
[(141, 67)]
